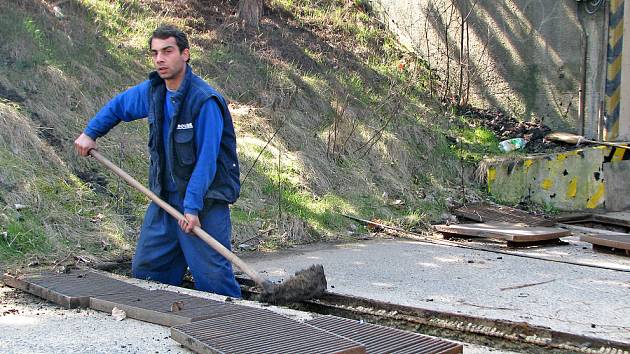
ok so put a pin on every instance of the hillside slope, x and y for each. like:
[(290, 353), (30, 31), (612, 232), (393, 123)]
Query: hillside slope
[(332, 116)]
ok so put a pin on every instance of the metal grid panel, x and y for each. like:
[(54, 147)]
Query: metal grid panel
[(381, 339), (159, 306), (260, 331), (73, 289)]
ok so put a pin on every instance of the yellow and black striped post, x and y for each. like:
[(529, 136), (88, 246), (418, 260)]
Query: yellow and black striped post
[(613, 71)]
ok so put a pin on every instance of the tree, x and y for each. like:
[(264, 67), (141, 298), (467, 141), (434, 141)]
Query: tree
[(250, 12)]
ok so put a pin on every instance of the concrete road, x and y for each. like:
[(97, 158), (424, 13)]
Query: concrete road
[(570, 298)]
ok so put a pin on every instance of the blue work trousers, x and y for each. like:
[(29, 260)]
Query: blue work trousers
[(164, 251)]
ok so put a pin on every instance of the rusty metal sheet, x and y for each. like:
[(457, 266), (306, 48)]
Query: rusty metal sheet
[(381, 339), (260, 331), (506, 231), (71, 289)]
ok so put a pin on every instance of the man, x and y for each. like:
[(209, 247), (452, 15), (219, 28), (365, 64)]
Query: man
[(193, 166)]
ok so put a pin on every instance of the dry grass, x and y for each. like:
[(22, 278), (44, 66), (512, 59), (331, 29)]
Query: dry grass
[(300, 75)]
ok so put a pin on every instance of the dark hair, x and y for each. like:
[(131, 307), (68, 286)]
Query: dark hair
[(167, 31)]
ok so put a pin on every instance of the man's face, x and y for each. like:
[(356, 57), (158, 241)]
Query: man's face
[(168, 60)]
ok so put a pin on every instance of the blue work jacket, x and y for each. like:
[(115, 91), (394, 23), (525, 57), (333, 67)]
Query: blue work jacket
[(199, 177)]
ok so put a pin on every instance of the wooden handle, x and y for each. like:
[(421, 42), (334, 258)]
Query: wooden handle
[(177, 215)]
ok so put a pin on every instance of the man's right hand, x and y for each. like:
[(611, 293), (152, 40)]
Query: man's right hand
[(84, 144)]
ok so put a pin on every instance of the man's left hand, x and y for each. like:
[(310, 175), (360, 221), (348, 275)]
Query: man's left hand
[(189, 222)]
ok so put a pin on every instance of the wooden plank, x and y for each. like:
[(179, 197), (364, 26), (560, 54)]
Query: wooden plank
[(612, 241), (506, 231), (621, 218), (484, 212), (591, 231), (573, 217)]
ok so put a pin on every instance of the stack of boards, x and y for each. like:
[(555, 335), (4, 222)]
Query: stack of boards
[(609, 240), (209, 326), (520, 228), (515, 226)]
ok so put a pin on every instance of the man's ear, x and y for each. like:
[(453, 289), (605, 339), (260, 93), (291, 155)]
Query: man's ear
[(186, 53)]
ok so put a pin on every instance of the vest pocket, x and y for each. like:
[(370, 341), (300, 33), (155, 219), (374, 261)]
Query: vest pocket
[(184, 146)]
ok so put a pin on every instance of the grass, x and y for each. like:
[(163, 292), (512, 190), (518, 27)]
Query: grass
[(21, 233), (473, 144), (100, 49)]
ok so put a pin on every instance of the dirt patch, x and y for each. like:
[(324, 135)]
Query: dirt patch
[(94, 180), (10, 94)]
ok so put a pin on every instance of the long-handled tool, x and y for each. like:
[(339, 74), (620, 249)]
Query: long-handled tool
[(306, 284), (578, 139)]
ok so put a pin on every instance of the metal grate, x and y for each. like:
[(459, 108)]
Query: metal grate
[(72, 289), (260, 331), (165, 307), (380, 339)]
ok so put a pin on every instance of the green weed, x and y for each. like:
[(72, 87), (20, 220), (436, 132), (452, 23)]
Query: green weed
[(21, 234)]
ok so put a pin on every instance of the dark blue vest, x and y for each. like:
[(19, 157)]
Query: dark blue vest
[(193, 92)]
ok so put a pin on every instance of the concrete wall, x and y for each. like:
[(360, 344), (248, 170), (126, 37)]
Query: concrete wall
[(589, 178), (624, 118), (523, 56)]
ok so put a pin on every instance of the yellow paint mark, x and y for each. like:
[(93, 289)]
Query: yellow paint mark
[(615, 67), (596, 198), (618, 155), (561, 157), (492, 174), (546, 184), (527, 163), (572, 153), (572, 188), (613, 99)]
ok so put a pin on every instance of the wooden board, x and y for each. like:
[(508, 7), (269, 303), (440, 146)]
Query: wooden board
[(591, 231), (484, 212), (505, 231), (618, 242), (620, 218)]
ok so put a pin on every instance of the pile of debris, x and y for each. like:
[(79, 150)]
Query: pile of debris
[(505, 126)]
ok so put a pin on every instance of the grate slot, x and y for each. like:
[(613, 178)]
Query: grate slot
[(381, 339)]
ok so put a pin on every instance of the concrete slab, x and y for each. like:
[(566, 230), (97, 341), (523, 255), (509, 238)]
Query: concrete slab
[(570, 298)]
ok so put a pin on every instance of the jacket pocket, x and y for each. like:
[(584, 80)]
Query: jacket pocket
[(185, 147)]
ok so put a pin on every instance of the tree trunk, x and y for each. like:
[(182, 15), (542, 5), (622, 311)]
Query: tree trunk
[(250, 12)]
